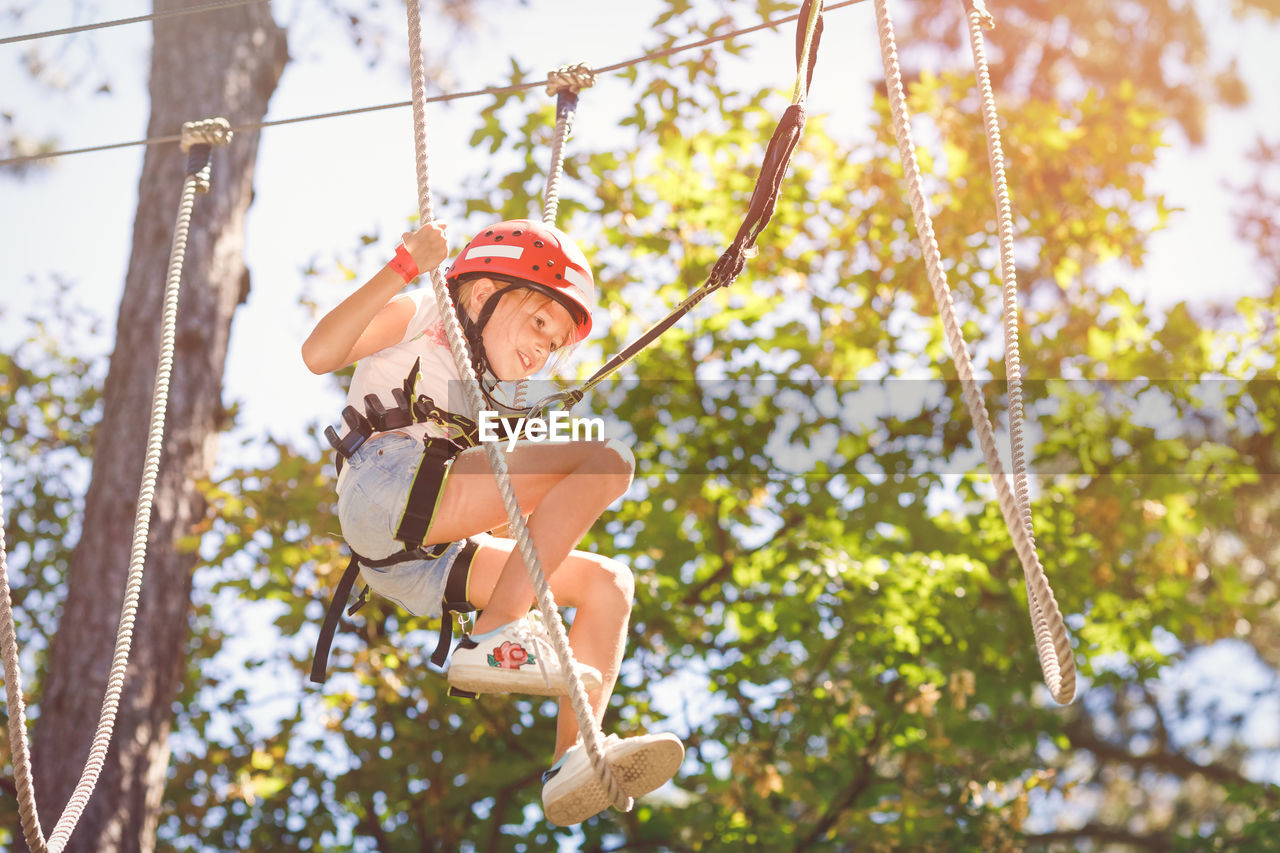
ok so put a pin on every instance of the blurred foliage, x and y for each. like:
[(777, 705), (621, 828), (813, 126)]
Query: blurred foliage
[(829, 610), (1054, 50), (49, 403)]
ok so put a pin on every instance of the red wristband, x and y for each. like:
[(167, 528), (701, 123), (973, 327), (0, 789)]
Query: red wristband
[(404, 264)]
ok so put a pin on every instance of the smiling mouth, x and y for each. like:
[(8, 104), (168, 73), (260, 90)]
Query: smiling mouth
[(525, 361)]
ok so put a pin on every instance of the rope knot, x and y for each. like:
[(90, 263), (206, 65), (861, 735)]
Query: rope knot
[(209, 131), (572, 78)]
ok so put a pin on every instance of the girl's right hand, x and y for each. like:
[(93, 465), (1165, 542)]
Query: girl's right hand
[(429, 245)]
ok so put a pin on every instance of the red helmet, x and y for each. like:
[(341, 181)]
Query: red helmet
[(542, 255)]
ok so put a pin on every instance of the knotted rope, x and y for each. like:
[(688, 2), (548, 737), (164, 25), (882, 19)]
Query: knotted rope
[(592, 739), (1053, 642), (570, 78), (198, 139)]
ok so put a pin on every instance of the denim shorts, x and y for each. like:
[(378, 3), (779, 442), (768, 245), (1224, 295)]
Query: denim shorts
[(372, 491)]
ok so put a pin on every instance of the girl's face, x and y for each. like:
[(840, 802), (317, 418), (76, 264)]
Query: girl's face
[(523, 331)]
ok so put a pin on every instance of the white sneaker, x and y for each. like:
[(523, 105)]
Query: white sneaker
[(516, 658), (644, 763), (572, 791)]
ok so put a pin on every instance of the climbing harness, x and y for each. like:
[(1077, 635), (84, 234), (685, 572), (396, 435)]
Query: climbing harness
[(198, 139), (565, 88), (1053, 642), (455, 602), (424, 492), (565, 85)]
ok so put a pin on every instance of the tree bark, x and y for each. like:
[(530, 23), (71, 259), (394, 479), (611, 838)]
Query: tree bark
[(219, 63)]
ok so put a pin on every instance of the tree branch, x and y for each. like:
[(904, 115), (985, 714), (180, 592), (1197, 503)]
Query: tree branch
[(850, 795), (1083, 736), (1103, 835), (372, 826)]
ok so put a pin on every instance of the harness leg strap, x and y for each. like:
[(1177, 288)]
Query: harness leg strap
[(424, 494), (455, 600), (323, 643)]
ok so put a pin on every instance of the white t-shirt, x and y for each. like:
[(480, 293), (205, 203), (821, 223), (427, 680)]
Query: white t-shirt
[(387, 369)]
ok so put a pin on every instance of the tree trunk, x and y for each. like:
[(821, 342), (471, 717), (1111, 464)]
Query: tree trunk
[(219, 63)]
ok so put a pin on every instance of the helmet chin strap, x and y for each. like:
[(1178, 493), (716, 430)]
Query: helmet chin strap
[(474, 331)]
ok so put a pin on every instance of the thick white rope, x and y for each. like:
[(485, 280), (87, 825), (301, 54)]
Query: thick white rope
[(592, 739), (1050, 631), (211, 132), (1053, 642)]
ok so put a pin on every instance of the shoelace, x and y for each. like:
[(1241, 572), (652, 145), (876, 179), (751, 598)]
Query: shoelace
[(532, 631)]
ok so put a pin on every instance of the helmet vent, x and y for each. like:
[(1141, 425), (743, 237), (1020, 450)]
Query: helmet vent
[(538, 255)]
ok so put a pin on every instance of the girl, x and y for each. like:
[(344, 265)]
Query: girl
[(415, 501)]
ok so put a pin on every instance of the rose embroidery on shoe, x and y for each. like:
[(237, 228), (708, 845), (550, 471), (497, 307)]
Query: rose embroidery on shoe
[(510, 655)]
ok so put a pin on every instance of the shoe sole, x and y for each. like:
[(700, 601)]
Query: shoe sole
[(638, 767), (648, 765), (487, 679)]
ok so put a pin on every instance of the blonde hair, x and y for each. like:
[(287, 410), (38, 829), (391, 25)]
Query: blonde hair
[(464, 290)]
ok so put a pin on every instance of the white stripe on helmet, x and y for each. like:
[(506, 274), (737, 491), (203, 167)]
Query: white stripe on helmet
[(513, 252)]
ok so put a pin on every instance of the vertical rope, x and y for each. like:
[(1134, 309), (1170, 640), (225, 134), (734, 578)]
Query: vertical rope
[(1050, 632), (1053, 643), (566, 110), (418, 84), (565, 83), (201, 136), (591, 737)]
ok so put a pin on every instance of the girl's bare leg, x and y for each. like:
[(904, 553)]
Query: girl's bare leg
[(601, 589), (563, 488)]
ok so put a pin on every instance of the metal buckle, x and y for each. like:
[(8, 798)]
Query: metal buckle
[(466, 622)]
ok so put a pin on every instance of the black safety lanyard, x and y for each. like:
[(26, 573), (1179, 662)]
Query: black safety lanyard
[(764, 199)]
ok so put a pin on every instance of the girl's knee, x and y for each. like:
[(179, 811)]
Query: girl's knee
[(622, 582), (616, 460), (625, 459), (606, 583)]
